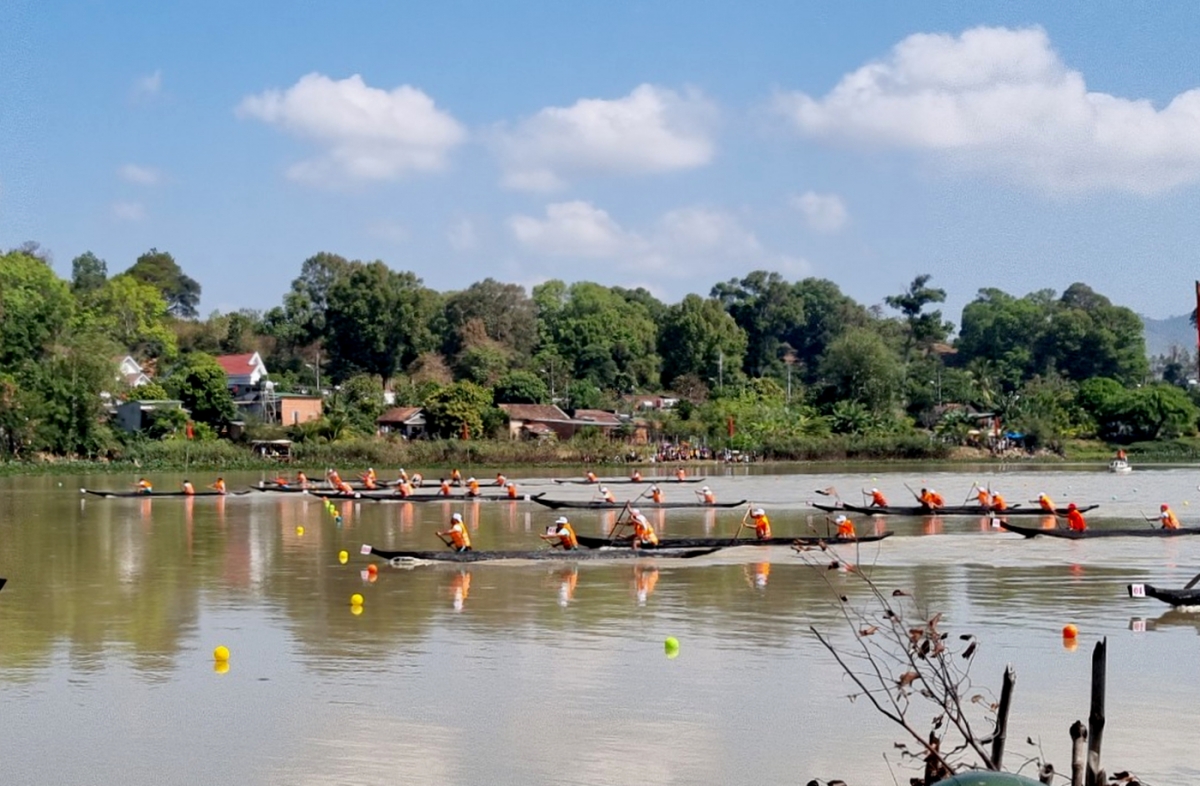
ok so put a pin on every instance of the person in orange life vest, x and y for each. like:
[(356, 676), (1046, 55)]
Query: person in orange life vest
[(368, 481), (931, 499), (281, 482), (1075, 520), (562, 535), (1121, 455), (706, 496), (301, 480), (762, 525), (656, 495), (404, 489), (1167, 517), (144, 486), (472, 487), (607, 496), (1045, 502), (643, 533), (680, 474), (444, 488), (845, 527), (985, 498), (219, 486), (345, 488), (459, 539), (877, 499), (501, 481), (188, 488), (998, 502), (511, 489), (636, 476), (402, 476), (333, 477), (456, 477), (590, 477)]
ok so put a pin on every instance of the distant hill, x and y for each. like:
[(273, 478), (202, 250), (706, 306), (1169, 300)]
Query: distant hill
[(1161, 334)]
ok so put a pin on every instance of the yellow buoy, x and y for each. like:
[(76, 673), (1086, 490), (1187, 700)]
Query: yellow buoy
[(356, 599), (342, 557), (299, 530), (671, 647), (221, 654)]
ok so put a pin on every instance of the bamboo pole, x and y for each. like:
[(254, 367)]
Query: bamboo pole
[(1006, 689), (1095, 773), (1078, 752)]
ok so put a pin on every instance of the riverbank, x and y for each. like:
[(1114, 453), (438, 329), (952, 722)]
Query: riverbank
[(220, 455)]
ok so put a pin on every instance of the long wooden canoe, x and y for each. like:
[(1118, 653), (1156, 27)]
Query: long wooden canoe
[(388, 496), (950, 510), (593, 542), (1124, 532), (642, 505), (575, 555), (153, 494), (613, 481), (1188, 596)]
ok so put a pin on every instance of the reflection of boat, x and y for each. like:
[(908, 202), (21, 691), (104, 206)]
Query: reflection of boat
[(152, 494), (646, 480), (593, 542), (599, 505), (951, 510), (1122, 532), (1120, 466), (1188, 596), (538, 554), (1174, 618)]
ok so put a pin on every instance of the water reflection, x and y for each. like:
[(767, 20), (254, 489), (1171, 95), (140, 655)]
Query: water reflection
[(460, 588), (645, 578)]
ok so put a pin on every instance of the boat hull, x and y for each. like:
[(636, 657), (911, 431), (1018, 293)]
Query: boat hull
[(615, 481), (593, 542), (557, 504), (160, 494), (576, 555), (1141, 532), (1175, 597), (954, 510)]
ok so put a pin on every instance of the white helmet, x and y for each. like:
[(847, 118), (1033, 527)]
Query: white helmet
[(640, 518), (758, 512), (604, 489), (510, 485), (635, 512), (840, 520), (470, 480), (705, 488), (561, 520), (874, 491), (456, 517)]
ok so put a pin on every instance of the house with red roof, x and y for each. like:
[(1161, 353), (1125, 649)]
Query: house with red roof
[(242, 372)]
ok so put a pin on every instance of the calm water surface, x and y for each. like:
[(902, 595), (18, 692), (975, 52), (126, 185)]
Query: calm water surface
[(543, 673)]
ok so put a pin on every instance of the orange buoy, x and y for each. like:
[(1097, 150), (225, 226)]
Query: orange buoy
[(1070, 631)]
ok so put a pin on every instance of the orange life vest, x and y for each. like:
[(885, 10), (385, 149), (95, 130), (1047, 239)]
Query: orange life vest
[(998, 503), (846, 529), (1075, 521), (762, 527), (219, 486), (512, 490), (656, 495), (473, 488), (445, 488), (566, 537), (984, 498), (878, 500), (1046, 503), (643, 533), (591, 477), (1169, 520), (459, 536)]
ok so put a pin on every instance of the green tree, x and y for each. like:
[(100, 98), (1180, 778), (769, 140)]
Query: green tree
[(36, 309), (503, 313), (924, 328), (458, 409), (160, 270), (362, 398), (860, 367), (88, 273), (697, 336), (134, 315), (201, 385), (520, 387)]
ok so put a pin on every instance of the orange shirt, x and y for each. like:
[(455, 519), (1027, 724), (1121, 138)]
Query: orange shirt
[(512, 490), (144, 486), (643, 534), (591, 477), (369, 482), (878, 500), (404, 489), (455, 476), (458, 536), (656, 495), (985, 499), (1075, 521), (998, 503), (566, 537), (345, 488), (762, 527), (1046, 502), (846, 529), (219, 486), (931, 499), (1168, 519), (473, 488), (444, 490)]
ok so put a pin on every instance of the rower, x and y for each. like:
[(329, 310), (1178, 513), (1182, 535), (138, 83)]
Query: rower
[(472, 487), (511, 489), (190, 490), (984, 496), (931, 499), (333, 477), (1167, 517), (636, 476), (1121, 455), (345, 488), (402, 476), (144, 486), (706, 496), (301, 480), (999, 505), (501, 481), (607, 496), (1075, 520), (368, 481), (219, 486), (444, 487), (877, 499), (404, 489), (643, 533), (456, 477), (591, 477), (845, 528), (563, 535), (762, 525), (656, 495), (280, 481), (460, 541), (681, 474)]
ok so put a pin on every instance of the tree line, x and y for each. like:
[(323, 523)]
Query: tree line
[(760, 361)]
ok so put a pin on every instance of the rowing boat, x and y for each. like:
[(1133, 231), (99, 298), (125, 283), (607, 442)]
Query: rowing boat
[(613, 481), (390, 496), (1188, 596), (556, 504), (951, 510), (575, 555), (152, 494), (593, 542), (1125, 532)]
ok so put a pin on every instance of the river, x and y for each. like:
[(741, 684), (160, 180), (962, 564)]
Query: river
[(547, 673)]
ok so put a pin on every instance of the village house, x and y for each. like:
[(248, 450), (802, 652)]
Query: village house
[(408, 422), (131, 372), (242, 372)]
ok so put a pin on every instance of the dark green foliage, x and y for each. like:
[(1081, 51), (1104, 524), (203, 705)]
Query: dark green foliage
[(463, 409), (160, 270), (520, 387), (88, 273), (201, 385)]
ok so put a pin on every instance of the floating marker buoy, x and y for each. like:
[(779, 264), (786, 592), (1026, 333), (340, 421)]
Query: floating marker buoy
[(299, 530), (372, 569), (221, 654), (671, 646), (1070, 631), (342, 557), (356, 610), (338, 521), (356, 599)]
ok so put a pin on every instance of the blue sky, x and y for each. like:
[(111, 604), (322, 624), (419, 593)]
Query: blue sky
[(668, 144)]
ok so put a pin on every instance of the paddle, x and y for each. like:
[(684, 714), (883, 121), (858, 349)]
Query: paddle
[(1189, 585), (916, 496), (443, 540), (612, 533), (971, 493), (743, 524), (1147, 518), (830, 492)]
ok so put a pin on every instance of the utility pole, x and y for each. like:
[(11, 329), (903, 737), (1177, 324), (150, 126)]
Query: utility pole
[(721, 371)]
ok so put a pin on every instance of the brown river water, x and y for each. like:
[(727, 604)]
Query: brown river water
[(553, 673)]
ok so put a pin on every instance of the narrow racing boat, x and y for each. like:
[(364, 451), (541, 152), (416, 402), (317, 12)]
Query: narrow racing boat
[(1121, 532), (556, 504), (154, 494), (575, 555), (949, 510), (1188, 596), (593, 542)]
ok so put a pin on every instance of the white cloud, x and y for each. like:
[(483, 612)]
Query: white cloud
[(1001, 100), (682, 243), (128, 211), (147, 87), (462, 235), (822, 212), (648, 131), (142, 175), (368, 134)]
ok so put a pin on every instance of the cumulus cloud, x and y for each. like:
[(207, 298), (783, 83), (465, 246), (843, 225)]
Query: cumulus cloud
[(367, 134), (141, 175), (147, 87), (680, 244), (128, 211), (650, 130), (822, 212), (1002, 100)]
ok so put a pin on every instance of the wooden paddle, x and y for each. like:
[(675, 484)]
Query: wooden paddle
[(742, 526), (971, 493), (916, 496), (1189, 585), (612, 533), (830, 492)]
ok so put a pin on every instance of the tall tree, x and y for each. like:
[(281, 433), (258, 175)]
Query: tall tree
[(160, 270), (88, 273), (698, 337), (924, 328), (506, 314), (36, 309)]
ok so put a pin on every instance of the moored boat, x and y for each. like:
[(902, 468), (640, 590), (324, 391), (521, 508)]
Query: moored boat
[(593, 542), (556, 504), (575, 555), (1120, 532), (950, 510)]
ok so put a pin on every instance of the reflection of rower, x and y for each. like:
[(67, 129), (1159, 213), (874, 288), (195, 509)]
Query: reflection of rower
[(562, 536), (644, 579), (762, 571), (566, 588), (460, 588)]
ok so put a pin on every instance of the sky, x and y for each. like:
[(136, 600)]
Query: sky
[(670, 145)]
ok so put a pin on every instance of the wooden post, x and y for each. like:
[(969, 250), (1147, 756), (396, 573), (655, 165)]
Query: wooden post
[(1006, 689), (1078, 752), (1095, 773)]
